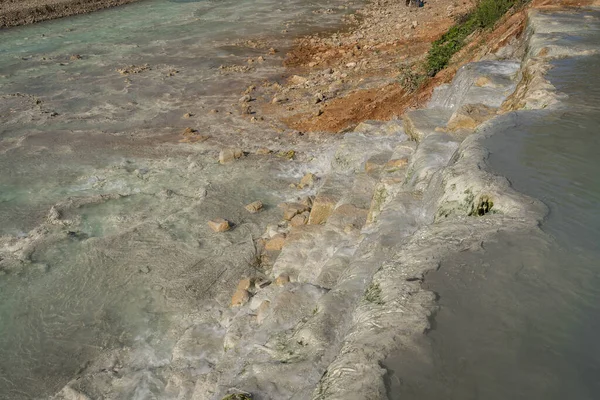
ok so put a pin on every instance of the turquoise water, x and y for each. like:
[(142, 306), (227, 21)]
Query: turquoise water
[(125, 261), (519, 318)]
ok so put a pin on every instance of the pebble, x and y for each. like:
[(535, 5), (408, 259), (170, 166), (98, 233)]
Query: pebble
[(282, 280), (254, 207), (239, 298), (219, 225), (228, 155), (300, 219)]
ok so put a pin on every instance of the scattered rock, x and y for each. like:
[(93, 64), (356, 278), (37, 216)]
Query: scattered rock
[(308, 180), (263, 151), (219, 225), (133, 69), (188, 115), (228, 155), (282, 280), (239, 298), (298, 80), (245, 99), (290, 210), (254, 207), (276, 243), (322, 208), (414, 24), (278, 99), (307, 201), (272, 51), (244, 284), (75, 57), (300, 219)]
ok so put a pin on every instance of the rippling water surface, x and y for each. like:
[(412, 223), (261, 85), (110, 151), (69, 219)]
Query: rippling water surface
[(125, 259)]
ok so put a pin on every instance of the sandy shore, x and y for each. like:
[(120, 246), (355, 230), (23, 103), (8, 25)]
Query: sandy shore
[(18, 12)]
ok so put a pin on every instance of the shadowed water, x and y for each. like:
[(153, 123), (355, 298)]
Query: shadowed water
[(519, 317)]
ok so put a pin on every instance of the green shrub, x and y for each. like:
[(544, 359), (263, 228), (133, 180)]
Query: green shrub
[(485, 15)]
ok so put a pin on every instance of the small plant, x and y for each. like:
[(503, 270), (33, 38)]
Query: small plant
[(373, 294), (410, 79)]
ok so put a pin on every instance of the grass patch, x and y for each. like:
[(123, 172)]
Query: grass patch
[(485, 15), (373, 294)]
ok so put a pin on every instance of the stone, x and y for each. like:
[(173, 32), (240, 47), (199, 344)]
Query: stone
[(75, 57), (245, 98), (300, 219), (263, 151), (395, 165), (244, 284), (322, 208), (414, 24), (276, 243), (298, 80), (278, 99), (239, 298), (228, 155), (254, 207), (272, 51), (188, 115), (262, 310), (372, 166), (308, 180), (282, 280), (307, 201), (219, 225), (292, 209), (470, 116)]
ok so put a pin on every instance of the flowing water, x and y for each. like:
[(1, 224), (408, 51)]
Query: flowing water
[(519, 318), (104, 243)]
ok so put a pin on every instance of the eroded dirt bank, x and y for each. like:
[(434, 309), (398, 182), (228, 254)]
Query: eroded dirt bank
[(18, 12), (374, 70)]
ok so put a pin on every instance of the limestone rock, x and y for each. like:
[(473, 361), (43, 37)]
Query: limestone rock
[(239, 298), (282, 280), (254, 207), (244, 284), (219, 225), (322, 208), (300, 219), (263, 151), (395, 165), (290, 210), (228, 155), (275, 243), (308, 180), (470, 116), (298, 80)]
